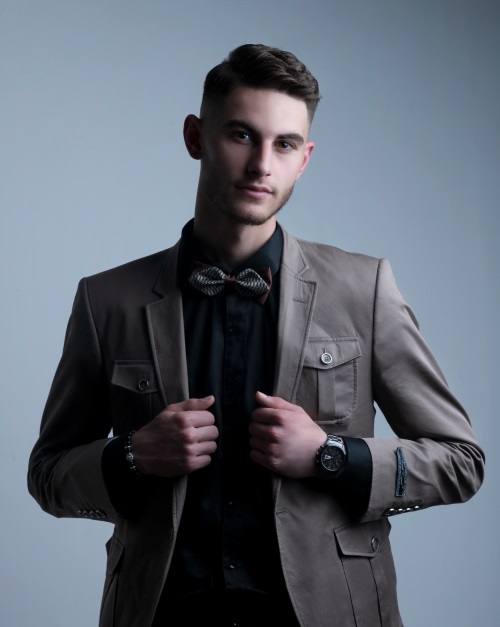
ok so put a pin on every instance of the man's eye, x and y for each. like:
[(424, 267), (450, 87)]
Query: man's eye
[(242, 136), (285, 146)]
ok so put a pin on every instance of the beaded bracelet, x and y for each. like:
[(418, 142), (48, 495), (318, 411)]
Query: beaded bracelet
[(129, 456)]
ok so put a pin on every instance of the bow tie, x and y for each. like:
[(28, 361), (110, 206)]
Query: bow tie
[(250, 283)]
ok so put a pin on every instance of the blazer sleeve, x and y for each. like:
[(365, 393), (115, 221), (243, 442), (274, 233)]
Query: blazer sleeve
[(435, 458), (65, 475)]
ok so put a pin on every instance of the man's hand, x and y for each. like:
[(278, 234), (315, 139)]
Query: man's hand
[(283, 438), (178, 440)]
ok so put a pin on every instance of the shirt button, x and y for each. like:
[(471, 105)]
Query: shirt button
[(232, 330), (231, 565)]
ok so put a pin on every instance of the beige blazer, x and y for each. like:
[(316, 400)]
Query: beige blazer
[(126, 327)]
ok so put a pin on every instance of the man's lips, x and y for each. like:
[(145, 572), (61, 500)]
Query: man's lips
[(255, 191)]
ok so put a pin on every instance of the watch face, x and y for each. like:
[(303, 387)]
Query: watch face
[(332, 458)]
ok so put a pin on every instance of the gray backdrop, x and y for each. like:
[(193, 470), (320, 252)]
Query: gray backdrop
[(93, 94)]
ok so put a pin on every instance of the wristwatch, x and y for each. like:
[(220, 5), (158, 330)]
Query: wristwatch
[(331, 457)]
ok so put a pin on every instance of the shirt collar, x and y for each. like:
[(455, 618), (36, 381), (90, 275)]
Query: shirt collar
[(269, 255)]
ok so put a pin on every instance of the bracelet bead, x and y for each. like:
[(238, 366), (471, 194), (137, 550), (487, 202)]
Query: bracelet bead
[(129, 456)]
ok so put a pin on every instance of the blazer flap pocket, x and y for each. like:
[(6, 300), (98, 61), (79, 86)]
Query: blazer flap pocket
[(137, 376), (363, 539), (328, 352)]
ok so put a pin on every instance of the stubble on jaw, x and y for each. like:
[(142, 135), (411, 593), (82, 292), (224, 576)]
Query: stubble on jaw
[(247, 218)]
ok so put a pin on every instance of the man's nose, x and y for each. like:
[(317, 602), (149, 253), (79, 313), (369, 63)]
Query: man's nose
[(260, 161)]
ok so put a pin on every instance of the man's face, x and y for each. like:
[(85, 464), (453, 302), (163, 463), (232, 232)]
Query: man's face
[(253, 149)]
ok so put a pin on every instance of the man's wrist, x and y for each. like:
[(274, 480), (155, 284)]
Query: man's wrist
[(331, 458)]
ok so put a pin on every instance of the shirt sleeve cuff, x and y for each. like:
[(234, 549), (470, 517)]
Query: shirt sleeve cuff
[(353, 485), (122, 484)]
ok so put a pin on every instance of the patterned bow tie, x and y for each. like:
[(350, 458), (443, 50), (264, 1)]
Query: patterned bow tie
[(249, 283)]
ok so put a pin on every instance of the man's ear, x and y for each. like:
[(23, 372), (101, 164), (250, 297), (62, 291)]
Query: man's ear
[(307, 155), (192, 135)]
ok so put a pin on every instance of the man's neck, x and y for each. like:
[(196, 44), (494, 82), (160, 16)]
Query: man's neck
[(230, 244)]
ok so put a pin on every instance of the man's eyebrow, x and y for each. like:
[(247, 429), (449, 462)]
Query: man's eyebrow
[(292, 137)]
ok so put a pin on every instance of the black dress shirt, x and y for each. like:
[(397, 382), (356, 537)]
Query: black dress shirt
[(227, 532), (227, 548)]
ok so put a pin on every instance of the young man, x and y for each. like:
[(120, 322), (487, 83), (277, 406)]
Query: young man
[(238, 372)]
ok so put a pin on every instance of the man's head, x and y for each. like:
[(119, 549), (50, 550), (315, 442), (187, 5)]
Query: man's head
[(261, 67), (252, 136)]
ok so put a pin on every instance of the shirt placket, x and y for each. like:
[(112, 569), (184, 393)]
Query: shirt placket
[(235, 435)]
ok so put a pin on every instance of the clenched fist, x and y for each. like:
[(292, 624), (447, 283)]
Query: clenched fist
[(283, 438), (179, 440)]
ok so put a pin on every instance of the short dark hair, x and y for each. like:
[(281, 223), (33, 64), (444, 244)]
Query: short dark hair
[(262, 67)]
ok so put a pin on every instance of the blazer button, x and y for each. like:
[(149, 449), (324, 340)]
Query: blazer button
[(326, 358), (143, 385), (375, 543)]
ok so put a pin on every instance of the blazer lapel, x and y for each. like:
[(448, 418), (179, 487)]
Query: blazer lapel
[(166, 330), (296, 305)]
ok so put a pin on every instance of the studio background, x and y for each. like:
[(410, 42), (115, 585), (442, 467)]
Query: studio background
[(94, 173)]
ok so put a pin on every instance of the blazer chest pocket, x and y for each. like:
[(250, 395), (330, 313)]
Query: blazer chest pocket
[(135, 394), (327, 388)]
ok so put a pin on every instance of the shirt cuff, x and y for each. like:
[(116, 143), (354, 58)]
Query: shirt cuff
[(353, 485), (122, 484)]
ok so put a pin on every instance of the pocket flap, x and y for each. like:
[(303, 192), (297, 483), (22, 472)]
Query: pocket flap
[(324, 353), (363, 539), (137, 376)]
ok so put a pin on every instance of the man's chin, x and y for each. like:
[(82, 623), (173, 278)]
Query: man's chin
[(248, 216)]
